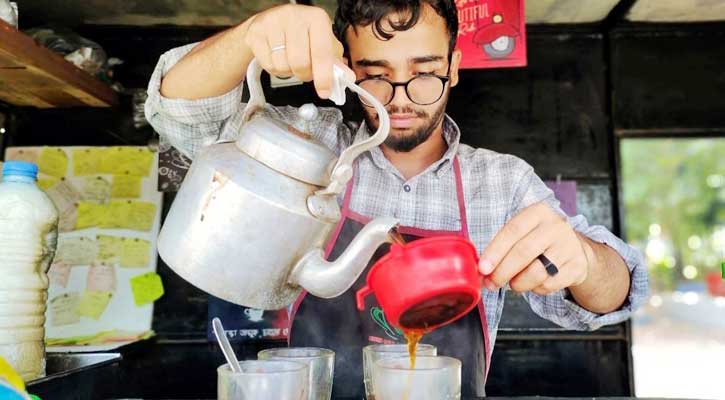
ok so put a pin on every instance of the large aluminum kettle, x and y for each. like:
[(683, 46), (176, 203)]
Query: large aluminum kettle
[(251, 217)]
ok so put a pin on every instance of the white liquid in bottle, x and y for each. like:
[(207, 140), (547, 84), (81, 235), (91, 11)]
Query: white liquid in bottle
[(28, 236)]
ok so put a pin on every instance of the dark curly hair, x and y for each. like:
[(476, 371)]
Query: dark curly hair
[(353, 13)]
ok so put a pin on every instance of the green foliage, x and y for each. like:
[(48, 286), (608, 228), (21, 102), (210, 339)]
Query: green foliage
[(665, 182)]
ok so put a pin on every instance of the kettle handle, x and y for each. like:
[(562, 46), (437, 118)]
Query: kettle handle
[(256, 94), (342, 170)]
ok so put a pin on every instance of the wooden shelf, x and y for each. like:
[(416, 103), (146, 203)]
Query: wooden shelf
[(31, 75)]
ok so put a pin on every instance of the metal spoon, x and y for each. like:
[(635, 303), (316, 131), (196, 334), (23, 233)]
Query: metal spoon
[(221, 337)]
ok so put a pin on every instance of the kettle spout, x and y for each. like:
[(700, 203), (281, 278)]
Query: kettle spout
[(328, 279)]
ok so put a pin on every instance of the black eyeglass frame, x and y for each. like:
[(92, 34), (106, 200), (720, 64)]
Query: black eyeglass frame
[(444, 80)]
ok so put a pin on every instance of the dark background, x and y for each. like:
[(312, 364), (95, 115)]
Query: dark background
[(586, 87)]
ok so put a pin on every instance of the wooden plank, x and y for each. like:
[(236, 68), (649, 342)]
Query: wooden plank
[(33, 75)]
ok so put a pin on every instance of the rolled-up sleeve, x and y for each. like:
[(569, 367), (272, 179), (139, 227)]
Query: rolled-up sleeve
[(187, 125), (560, 307)]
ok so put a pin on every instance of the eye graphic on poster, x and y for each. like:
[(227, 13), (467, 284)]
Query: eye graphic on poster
[(491, 33)]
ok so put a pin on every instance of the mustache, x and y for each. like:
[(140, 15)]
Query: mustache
[(403, 110)]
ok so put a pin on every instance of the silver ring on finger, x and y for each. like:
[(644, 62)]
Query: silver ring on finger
[(278, 48), (551, 268)]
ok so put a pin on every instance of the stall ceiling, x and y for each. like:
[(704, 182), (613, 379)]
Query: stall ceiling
[(229, 12), (677, 10), (567, 11)]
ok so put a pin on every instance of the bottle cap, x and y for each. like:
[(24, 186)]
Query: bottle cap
[(20, 168)]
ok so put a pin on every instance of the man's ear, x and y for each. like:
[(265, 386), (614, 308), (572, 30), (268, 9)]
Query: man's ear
[(455, 62)]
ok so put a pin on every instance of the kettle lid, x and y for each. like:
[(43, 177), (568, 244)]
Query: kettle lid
[(286, 149)]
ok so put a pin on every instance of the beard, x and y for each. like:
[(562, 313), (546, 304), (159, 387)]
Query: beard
[(407, 141)]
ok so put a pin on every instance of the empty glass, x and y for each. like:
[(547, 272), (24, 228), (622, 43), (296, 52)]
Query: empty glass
[(374, 352), (320, 361), (433, 378), (264, 380)]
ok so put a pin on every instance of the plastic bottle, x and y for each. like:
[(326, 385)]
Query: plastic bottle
[(28, 237)]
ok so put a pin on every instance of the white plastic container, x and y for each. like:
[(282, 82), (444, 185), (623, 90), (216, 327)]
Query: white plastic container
[(28, 237)]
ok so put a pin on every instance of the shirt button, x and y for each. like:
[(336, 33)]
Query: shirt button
[(406, 188)]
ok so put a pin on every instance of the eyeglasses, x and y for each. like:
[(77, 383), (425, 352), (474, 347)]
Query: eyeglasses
[(422, 89)]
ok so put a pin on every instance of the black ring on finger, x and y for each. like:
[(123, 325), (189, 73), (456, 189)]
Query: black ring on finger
[(551, 268)]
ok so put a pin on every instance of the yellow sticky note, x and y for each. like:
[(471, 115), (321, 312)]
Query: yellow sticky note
[(90, 214), (96, 189), (53, 161), (67, 220), (126, 186), (64, 309), (140, 215), (76, 250), (47, 183), (115, 214), (110, 248), (146, 288), (136, 252), (127, 160), (87, 161), (141, 161), (110, 159), (64, 195), (93, 304)]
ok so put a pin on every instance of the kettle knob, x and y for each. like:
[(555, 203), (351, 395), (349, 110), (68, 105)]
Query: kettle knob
[(306, 113)]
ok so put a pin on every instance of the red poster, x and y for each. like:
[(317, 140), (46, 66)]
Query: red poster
[(491, 33)]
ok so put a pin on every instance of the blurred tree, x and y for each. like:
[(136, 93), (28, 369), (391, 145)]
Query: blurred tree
[(678, 184)]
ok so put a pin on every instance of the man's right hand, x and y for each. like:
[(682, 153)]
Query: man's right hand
[(297, 40), (302, 35)]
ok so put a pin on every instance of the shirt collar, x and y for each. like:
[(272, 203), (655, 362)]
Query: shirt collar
[(451, 134)]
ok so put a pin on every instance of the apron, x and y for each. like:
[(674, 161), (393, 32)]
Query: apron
[(338, 325)]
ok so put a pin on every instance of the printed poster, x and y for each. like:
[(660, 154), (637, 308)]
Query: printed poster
[(244, 324), (491, 33)]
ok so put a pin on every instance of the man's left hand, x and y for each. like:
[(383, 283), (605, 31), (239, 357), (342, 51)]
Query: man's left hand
[(511, 257)]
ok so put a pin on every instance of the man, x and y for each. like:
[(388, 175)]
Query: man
[(578, 276)]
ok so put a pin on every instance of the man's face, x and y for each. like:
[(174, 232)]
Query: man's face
[(422, 49)]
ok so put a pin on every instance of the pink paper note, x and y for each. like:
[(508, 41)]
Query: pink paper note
[(101, 278), (59, 273)]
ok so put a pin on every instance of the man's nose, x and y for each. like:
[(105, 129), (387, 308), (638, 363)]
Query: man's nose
[(400, 97)]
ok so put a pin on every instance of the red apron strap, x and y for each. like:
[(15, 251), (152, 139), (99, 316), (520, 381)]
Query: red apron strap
[(461, 197), (464, 228), (486, 342)]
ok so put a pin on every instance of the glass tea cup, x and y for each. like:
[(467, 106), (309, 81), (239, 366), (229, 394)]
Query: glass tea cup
[(321, 363), (264, 380), (432, 378), (374, 352)]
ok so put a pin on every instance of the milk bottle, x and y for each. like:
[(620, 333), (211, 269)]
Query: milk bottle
[(28, 236)]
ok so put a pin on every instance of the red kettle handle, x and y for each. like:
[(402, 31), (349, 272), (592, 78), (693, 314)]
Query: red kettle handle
[(360, 295)]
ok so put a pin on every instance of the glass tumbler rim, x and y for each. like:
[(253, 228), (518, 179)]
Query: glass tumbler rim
[(447, 363), (293, 367), (274, 352), (404, 347)]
